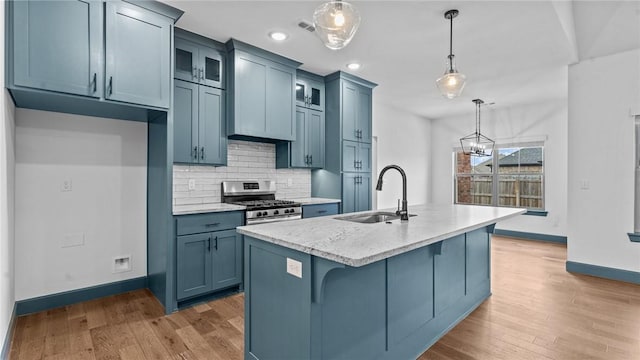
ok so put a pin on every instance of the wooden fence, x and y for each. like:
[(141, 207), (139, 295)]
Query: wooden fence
[(517, 191)]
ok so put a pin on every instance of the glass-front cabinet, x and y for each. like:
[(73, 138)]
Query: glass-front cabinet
[(199, 64), (309, 92)]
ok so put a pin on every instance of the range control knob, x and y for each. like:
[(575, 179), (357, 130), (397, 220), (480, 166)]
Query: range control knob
[(286, 211), (259, 213), (276, 212), (292, 211), (264, 213)]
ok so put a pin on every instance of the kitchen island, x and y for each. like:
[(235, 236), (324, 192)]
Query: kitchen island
[(328, 288)]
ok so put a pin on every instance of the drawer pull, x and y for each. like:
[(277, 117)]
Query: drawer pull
[(212, 224), (322, 211)]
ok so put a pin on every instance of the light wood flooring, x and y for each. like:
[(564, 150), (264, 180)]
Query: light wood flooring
[(537, 311)]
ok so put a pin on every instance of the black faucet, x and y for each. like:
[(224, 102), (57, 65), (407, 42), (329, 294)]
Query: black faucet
[(404, 214)]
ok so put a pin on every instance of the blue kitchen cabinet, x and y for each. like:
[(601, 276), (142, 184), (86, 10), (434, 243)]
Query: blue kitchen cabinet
[(227, 259), (309, 90), (71, 56), (356, 112), (199, 134), (138, 48), (316, 210), (347, 161), (307, 151), (262, 98), (356, 156), (198, 63), (209, 253), (58, 46), (193, 266), (356, 192)]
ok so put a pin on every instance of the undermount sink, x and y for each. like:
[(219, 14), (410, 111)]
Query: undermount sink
[(372, 218)]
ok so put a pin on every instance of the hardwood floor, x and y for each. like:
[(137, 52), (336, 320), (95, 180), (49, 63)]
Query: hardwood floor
[(537, 311)]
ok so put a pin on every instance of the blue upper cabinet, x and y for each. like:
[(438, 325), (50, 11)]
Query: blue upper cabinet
[(58, 46), (199, 127), (199, 63), (138, 48), (261, 93), (309, 90), (66, 55), (356, 112)]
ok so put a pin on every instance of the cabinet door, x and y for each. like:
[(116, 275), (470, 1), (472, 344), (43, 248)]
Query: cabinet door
[(301, 93), (185, 122), (58, 46), (364, 114), (187, 61), (349, 111), (449, 273), (363, 189), (227, 259), (249, 95), (211, 66), (137, 44), (350, 156), (212, 136), (298, 147), (193, 263), (315, 95), (280, 102), (349, 192), (315, 138), (364, 157)]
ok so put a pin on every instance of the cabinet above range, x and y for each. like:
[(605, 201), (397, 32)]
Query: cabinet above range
[(90, 57)]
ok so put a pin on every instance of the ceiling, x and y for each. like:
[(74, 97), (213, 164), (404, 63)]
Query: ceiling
[(512, 52)]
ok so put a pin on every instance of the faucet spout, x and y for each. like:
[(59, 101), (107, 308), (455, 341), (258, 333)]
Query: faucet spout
[(404, 213)]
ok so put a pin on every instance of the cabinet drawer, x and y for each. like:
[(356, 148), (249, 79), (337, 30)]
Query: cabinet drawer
[(193, 224), (310, 211)]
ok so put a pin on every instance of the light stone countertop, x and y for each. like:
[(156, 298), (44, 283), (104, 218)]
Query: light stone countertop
[(315, 201), (357, 244), (205, 208)]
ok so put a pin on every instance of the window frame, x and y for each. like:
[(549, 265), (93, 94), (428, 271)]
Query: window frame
[(495, 176)]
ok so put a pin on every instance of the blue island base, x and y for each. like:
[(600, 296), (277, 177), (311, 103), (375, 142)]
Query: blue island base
[(391, 309)]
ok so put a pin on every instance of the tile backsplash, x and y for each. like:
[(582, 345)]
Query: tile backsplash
[(245, 161)]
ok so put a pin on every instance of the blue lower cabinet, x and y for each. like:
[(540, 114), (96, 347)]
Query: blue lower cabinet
[(227, 259), (356, 192), (209, 253), (311, 211), (194, 265)]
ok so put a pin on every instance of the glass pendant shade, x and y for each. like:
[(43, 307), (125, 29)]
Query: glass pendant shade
[(336, 22), (476, 144), (452, 82)]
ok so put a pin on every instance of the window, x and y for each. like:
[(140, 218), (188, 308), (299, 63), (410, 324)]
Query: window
[(512, 177)]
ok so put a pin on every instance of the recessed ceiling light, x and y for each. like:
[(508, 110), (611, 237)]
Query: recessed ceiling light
[(353, 66), (278, 35)]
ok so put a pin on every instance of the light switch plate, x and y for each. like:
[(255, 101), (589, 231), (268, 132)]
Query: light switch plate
[(294, 267)]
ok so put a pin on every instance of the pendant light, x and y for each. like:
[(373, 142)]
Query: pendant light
[(336, 22), (452, 82), (476, 144)]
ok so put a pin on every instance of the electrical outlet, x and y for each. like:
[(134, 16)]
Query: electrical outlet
[(67, 185), (294, 267), (192, 184)]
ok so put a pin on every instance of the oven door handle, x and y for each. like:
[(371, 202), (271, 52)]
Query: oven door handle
[(263, 221)]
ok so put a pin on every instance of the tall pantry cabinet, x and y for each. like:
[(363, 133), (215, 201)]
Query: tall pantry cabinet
[(347, 171)]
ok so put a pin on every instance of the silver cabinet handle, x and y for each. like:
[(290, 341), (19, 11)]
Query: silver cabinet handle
[(110, 85), (202, 153), (95, 82), (212, 224), (310, 159), (195, 73), (209, 244), (202, 74), (195, 152), (215, 244)]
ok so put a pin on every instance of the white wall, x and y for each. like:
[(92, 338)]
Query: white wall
[(7, 183), (403, 140), (602, 91), (105, 160), (511, 124)]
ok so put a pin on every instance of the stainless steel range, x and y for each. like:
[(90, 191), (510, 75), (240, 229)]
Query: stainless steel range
[(260, 199)]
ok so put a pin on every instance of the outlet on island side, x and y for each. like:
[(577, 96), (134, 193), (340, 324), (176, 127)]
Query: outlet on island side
[(121, 264)]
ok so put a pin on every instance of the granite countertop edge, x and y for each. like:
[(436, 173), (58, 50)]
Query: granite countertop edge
[(374, 255), (205, 208)]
